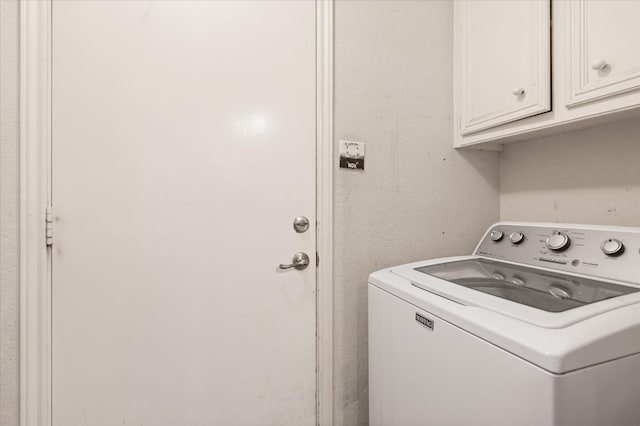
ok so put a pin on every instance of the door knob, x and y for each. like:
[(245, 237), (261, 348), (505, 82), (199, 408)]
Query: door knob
[(300, 261), (300, 224)]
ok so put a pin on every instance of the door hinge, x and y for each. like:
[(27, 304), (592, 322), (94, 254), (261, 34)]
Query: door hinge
[(317, 259), (49, 225)]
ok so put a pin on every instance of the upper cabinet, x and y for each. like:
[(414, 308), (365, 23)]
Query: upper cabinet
[(504, 61), (519, 75), (605, 49)]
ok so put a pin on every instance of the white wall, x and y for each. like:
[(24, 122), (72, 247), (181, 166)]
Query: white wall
[(418, 198), (9, 209), (586, 176)]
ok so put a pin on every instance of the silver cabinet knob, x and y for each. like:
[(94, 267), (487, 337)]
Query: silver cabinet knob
[(300, 224), (300, 261)]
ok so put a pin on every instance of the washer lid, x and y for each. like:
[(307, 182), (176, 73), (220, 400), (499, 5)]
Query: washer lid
[(539, 296), (558, 342), (548, 291)]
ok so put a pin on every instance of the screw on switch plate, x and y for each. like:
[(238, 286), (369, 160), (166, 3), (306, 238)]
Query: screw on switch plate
[(351, 155)]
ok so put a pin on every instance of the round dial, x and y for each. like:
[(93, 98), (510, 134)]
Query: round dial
[(612, 247), (516, 237), (558, 241), (496, 235)]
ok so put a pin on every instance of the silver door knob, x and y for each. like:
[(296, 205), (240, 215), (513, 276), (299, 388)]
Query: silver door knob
[(300, 224), (300, 261)]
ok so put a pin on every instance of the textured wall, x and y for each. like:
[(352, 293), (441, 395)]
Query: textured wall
[(586, 176), (9, 209), (418, 198)]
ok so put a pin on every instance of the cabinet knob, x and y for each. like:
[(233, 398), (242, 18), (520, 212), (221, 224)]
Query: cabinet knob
[(599, 65), (517, 91)]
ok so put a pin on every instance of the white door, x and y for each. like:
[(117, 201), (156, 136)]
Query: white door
[(183, 148)]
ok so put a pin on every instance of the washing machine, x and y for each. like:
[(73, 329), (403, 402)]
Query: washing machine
[(540, 326)]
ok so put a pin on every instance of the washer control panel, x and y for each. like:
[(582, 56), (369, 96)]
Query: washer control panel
[(605, 252)]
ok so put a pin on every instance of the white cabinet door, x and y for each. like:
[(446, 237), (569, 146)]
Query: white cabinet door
[(183, 148), (605, 49), (503, 61)]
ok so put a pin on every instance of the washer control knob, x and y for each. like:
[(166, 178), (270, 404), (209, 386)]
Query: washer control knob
[(496, 235), (558, 241), (516, 237), (612, 247)]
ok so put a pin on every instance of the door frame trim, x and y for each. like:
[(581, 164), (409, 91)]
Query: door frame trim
[(35, 196), (35, 193), (324, 211)]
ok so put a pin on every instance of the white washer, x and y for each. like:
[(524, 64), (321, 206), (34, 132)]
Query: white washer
[(540, 326)]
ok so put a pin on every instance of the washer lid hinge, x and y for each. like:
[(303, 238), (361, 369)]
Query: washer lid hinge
[(49, 225)]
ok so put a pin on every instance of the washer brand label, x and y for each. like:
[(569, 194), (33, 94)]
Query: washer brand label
[(424, 321)]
